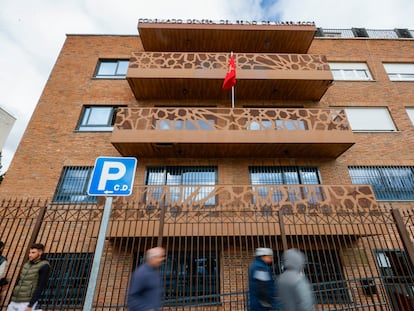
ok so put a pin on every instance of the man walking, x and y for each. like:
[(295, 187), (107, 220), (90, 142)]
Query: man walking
[(31, 282), (262, 292), (145, 289)]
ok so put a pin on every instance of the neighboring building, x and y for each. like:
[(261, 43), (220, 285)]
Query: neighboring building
[(6, 124), (316, 152)]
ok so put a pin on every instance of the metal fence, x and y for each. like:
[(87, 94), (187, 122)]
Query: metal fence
[(358, 260)]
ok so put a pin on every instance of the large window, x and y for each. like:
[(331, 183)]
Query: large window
[(410, 112), (389, 182), (97, 118), (285, 175), (350, 71), (190, 277), (370, 119), (68, 280), (73, 185), (400, 72), (187, 184), (112, 69)]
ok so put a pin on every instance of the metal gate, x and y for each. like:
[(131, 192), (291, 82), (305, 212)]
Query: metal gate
[(355, 261)]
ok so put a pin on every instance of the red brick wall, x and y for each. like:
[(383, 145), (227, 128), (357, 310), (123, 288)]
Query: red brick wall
[(51, 142)]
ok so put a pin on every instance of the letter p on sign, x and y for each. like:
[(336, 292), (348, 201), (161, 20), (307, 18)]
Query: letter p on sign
[(112, 176)]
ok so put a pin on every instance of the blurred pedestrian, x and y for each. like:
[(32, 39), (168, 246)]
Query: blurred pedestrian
[(3, 265), (262, 290), (294, 289), (145, 289)]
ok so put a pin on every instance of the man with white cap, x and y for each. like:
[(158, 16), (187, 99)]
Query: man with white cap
[(262, 282)]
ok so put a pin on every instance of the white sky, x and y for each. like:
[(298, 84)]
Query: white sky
[(32, 33)]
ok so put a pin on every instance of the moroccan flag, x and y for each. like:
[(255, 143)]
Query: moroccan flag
[(230, 79)]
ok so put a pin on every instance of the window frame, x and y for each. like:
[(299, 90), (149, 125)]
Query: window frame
[(400, 71), (350, 71), (395, 271), (182, 125), (387, 186), (74, 182), (285, 175), (369, 114), (68, 279), (324, 270), (85, 125), (410, 112), (180, 270), (179, 188), (116, 73)]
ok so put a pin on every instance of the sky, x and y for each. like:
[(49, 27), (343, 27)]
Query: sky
[(32, 32)]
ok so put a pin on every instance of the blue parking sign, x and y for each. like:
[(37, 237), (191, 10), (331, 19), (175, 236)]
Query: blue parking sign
[(112, 176)]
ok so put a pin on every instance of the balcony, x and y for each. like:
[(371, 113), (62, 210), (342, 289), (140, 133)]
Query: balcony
[(198, 36), (181, 76), (203, 209), (226, 132)]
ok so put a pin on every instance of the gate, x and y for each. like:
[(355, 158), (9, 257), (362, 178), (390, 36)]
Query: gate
[(355, 261)]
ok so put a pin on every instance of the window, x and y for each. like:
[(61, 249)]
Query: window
[(112, 69), (410, 112), (388, 182), (396, 272), (400, 72), (370, 119), (289, 125), (68, 280), (190, 277), (350, 71), (185, 124), (73, 185), (283, 175), (324, 270), (190, 185), (97, 118)]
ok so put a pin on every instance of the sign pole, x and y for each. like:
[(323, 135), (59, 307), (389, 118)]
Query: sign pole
[(111, 177), (90, 293)]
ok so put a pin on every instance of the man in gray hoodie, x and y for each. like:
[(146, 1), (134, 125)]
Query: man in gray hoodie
[(295, 291)]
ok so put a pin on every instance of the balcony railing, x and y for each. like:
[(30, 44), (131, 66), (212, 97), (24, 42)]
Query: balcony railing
[(174, 75), (229, 132), (209, 201)]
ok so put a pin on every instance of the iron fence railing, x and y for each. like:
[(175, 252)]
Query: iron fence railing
[(355, 261)]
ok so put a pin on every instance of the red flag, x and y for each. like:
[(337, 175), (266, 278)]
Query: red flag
[(230, 79)]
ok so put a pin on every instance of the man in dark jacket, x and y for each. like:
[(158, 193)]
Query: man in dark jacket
[(145, 289), (295, 290), (31, 282), (262, 292)]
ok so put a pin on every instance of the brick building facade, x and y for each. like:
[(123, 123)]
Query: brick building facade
[(322, 126)]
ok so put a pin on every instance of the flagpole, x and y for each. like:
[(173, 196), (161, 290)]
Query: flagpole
[(232, 88), (232, 97)]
